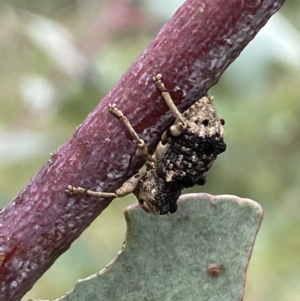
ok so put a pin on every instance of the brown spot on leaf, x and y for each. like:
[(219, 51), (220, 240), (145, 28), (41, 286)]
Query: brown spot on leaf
[(215, 269)]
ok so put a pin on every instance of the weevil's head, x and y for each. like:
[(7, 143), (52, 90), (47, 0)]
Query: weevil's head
[(156, 196)]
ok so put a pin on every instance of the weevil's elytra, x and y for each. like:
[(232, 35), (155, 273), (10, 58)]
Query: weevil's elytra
[(196, 148), (182, 158)]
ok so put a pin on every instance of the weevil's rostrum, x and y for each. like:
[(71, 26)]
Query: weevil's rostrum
[(182, 158)]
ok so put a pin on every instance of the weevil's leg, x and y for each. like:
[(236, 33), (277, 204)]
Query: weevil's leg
[(142, 147), (177, 128), (130, 185), (150, 165), (125, 189), (71, 190)]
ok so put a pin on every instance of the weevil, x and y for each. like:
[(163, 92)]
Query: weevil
[(186, 152)]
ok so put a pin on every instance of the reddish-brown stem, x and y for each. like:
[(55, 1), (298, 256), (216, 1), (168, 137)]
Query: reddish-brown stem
[(191, 51)]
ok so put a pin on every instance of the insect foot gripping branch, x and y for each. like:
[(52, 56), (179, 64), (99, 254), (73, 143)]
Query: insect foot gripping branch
[(182, 158)]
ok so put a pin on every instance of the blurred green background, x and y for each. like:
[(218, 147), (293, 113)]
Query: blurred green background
[(59, 58)]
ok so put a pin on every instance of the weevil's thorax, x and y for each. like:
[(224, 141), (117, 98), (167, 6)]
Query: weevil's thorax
[(186, 158), (155, 195)]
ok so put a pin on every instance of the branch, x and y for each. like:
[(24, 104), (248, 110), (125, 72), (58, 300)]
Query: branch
[(191, 51)]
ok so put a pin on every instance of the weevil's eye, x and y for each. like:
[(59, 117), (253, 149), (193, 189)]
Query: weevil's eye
[(141, 202), (222, 121), (205, 122)]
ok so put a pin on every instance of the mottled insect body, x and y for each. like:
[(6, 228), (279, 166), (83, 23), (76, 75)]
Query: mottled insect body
[(182, 158), (188, 156)]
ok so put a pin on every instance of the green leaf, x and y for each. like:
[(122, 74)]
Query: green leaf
[(199, 253)]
